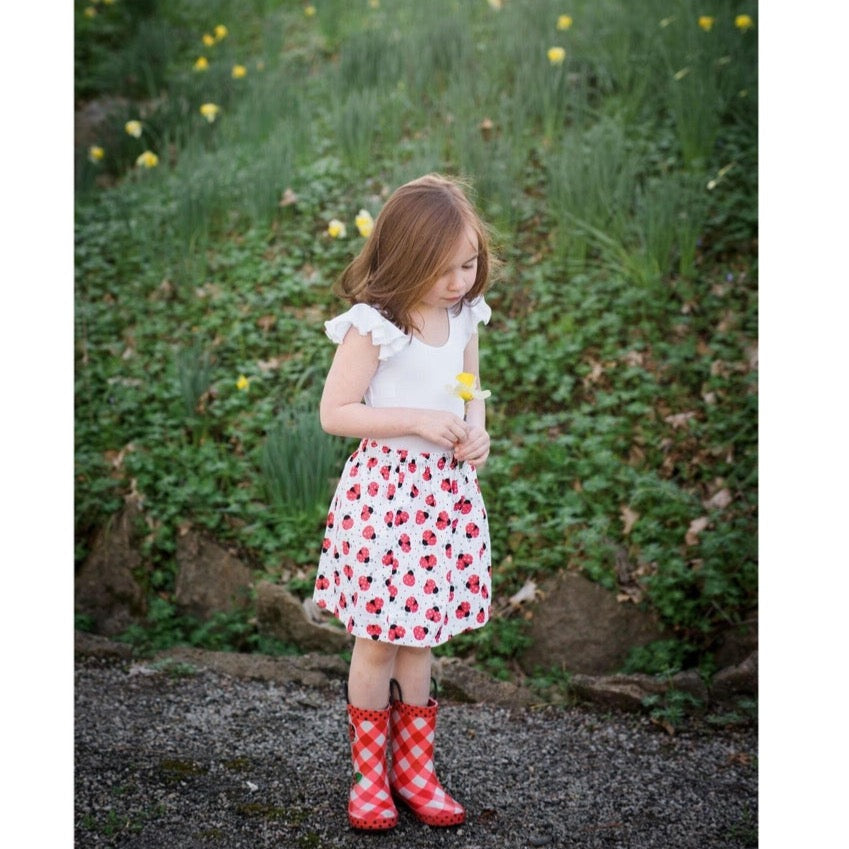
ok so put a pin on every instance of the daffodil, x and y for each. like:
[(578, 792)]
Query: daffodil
[(336, 229), (556, 55), (220, 32), (95, 153), (208, 39), (465, 388), (238, 72), (133, 128), (564, 22), (242, 383), (706, 22), (148, 159), (202, 63), (309, 10), (364, 222), (743, 22), (210, 111)]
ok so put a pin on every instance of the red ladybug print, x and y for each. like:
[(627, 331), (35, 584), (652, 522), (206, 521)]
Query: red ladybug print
[(389, 559), (374, 631), (401, 517), (433, 614), (442, 520), (349, 572), (474, 584), (419, 632), (472, 530), (371, 462), (440, 463), (347, 522), (330, 520), (404, 543), (409, 579), (368, 532), (412, 467), (373, 488), (414, 491), (364, 582), (481, 617), (391, 589), (421, 517), (448, 550), (365, 515), (389, 518), (346, 547), (464, 506), (464, 561), (430, 500), (411, 605), (426, 474), (449, 485), (428, 538), (428, 561), (325, 545), (337, 579), (355, 470), (484, 592), (321, 583), (374, 605), (396, 632), (430, 586), (363, 555), (390, 491), (384, 472), (353, 494), (464, 610)]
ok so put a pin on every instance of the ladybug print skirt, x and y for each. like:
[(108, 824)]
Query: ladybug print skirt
[(406, 552)]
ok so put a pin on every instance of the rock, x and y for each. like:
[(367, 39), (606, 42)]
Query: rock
[(692, 683), (737, 642), (579, 626), (622, 692), (210, 579), (105, 588), (102, 648), (280, 614), (735, 681), (460, 682)]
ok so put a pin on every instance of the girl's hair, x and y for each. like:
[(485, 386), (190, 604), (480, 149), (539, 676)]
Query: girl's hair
[(413, 240)]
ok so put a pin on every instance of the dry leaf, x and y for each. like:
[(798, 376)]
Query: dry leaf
[(266, 322), (719, 500), (289, 198), (527, 593), (696, 527), (629, 517), (678, 420)]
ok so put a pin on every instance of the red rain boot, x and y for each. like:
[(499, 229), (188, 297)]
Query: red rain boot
[(412, 776), (370, 804)]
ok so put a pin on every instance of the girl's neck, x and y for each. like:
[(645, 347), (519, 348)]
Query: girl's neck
[(432, 325)]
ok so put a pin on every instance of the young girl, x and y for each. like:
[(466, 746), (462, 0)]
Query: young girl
[(405, 563)]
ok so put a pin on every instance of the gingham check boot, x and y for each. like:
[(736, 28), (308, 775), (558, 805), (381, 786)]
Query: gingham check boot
[(412, 776), (370, 804)]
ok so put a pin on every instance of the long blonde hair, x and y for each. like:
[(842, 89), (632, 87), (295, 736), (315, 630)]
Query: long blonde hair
[(410, 247)]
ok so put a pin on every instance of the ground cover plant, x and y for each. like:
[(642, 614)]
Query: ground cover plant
[(239, 152)]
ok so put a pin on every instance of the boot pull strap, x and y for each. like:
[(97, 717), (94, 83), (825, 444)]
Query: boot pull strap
[(393, 686), (434, 688)]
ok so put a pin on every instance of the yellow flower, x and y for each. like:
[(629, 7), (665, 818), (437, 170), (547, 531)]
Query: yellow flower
[(242, 383), (133, 128), (148, 159), (208, 39), (496, 4), (743, 22), (309, 10), (220, 32), (336, 229), (95, 153), (202, 63), (90, 11), (564, 22), (465, 387), (108, 2), (365, 223), (706, 22), (556, 55), (209, 111), (238, 72)]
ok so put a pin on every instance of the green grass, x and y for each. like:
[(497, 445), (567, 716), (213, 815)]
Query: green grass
[(621, 354)]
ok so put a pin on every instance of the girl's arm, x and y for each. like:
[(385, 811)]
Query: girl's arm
[(475, 448), (343, 413)]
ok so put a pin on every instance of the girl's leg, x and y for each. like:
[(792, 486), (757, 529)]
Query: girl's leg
[(368, 677), (412, 672)]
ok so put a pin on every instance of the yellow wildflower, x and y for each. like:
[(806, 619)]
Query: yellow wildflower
[(238, 72), (242, 383), (148, 159), (465, 387), (220, 32), (309, 10), (95, 153), (556, 55), (706, 22), (743, 22), (202, 63), (564, 22), (336, 229), (90, 11), (209, 111), (133, 128), (365, 223), (208, 39)]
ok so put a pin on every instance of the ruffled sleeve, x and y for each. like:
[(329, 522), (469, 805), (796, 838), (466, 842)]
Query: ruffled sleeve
[(366, 319), (474, 313)]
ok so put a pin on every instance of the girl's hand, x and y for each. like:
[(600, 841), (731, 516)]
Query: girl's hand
[(474, 449), (441, 427)]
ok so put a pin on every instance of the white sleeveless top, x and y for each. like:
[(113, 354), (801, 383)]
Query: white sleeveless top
[(411, 373)]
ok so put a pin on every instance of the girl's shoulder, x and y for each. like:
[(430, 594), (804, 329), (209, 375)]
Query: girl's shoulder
[(368, 320)]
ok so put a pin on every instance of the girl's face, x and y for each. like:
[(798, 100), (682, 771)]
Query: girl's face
[(459, 276)]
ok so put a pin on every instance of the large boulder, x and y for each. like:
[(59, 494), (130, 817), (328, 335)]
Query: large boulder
[(579, 626), (106, 588), (210, 579)]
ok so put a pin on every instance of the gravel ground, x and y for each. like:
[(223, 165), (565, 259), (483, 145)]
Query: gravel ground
[(207, 760)]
